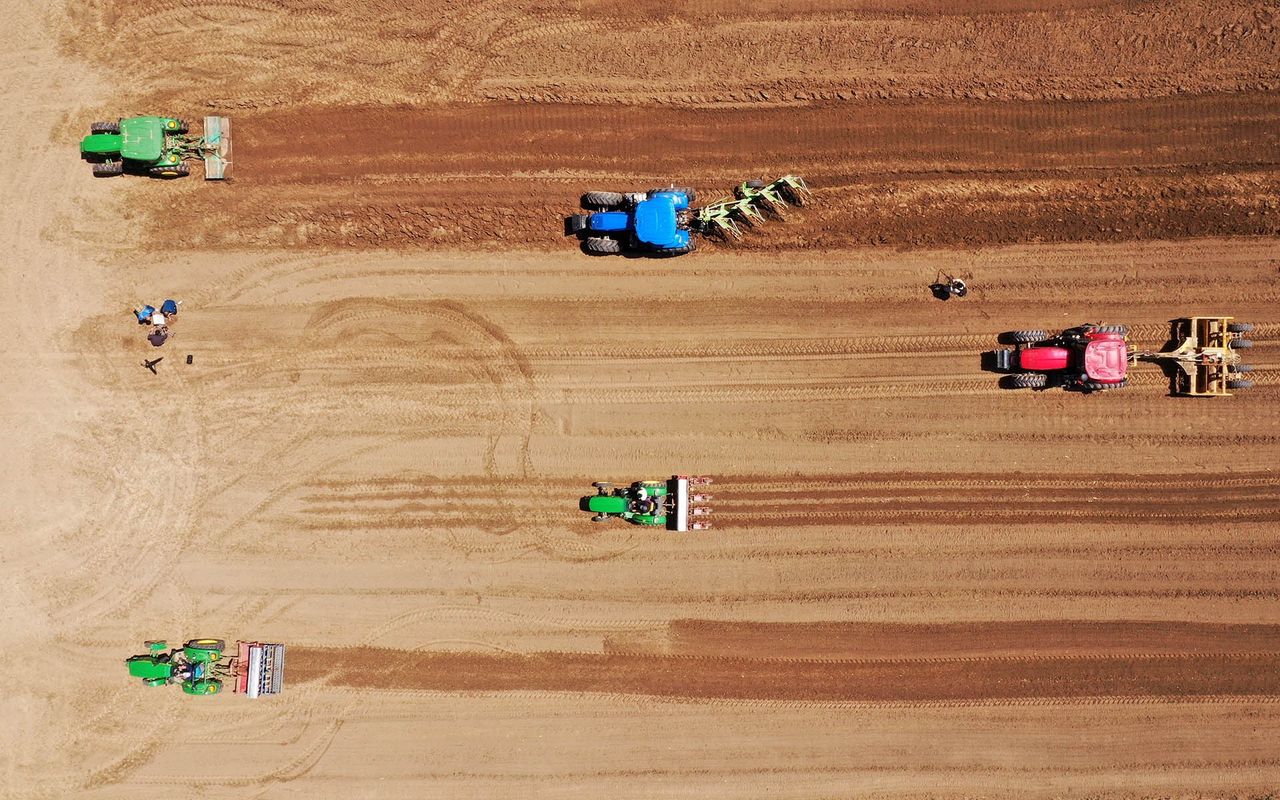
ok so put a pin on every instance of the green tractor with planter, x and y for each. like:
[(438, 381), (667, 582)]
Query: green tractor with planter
[(201, 667), (157, 146), (675, 504)]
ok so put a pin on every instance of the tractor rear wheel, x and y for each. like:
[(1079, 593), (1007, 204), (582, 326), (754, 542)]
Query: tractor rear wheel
[(108, 168), (1240, 368), (685, 190), (1241, 344), (1120, 329), (1023, 337), (602, 245), (1098, 386), (1029, 380), (105, 127), (170, 170), (1241, 383), (603, 200), (1240, 327)]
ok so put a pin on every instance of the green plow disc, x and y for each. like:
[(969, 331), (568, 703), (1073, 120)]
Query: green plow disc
[(751, 202)]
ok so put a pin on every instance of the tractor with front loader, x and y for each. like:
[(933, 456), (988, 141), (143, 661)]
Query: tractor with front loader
[(201, 667), (664, 221), (1204, 361), (157, 146), (675, 504)]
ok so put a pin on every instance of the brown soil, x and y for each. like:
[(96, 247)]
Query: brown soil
[(403, 378)]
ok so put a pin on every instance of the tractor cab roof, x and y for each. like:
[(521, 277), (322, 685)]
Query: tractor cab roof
[(142, 138), (1107, 360), (655, 222)]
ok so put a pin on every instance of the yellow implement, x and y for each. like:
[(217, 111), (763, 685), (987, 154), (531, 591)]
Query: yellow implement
[(1206, 357)]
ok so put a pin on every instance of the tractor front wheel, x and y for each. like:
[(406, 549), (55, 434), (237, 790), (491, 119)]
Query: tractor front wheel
[(602, 245), (170, 170), (1029, 380), (1023, 337), (108, 169), (104, 127), (605, 201), (183, 127)]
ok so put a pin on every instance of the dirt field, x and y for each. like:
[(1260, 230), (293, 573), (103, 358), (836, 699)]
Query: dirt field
[(919, 585)]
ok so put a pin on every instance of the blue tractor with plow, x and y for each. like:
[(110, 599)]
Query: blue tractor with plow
[(663, 221)]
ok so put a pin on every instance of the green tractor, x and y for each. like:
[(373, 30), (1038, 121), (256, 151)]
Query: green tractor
[(157, 146), (200, 667), (668, 503)]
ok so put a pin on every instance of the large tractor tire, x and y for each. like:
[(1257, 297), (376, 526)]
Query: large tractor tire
[(685, 190), (602, 245), (108, 169), (1023, 337), (207, 644), (104, 127), (1120, 329), (183, 127), (178, 170), (1241, 344), (1029, 380), (1240, 327), (1097, 386), (1240, 383), (677, 251), (605, 201), (1240, 368)]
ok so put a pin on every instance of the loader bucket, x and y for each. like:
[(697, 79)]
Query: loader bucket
[(217, 154)]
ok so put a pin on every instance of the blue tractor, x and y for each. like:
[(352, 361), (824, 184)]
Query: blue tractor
[(655, 223)]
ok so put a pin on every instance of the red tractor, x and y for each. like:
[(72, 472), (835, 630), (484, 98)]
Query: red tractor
[(1088, 358)]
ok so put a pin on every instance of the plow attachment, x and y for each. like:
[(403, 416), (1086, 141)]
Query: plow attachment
[(217, 147), (751, 202)]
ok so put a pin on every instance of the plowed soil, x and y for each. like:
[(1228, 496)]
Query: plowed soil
[(403, 377)]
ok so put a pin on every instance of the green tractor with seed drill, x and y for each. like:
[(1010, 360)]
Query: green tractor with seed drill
[(200, 667), (157, 146)]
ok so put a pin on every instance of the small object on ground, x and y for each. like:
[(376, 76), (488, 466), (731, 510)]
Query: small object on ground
[(144, 314), (151, 364), (190, 358), (663, 221), (158, 319), (200, 667), (945, 287), (666, 503), (157, 146)]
